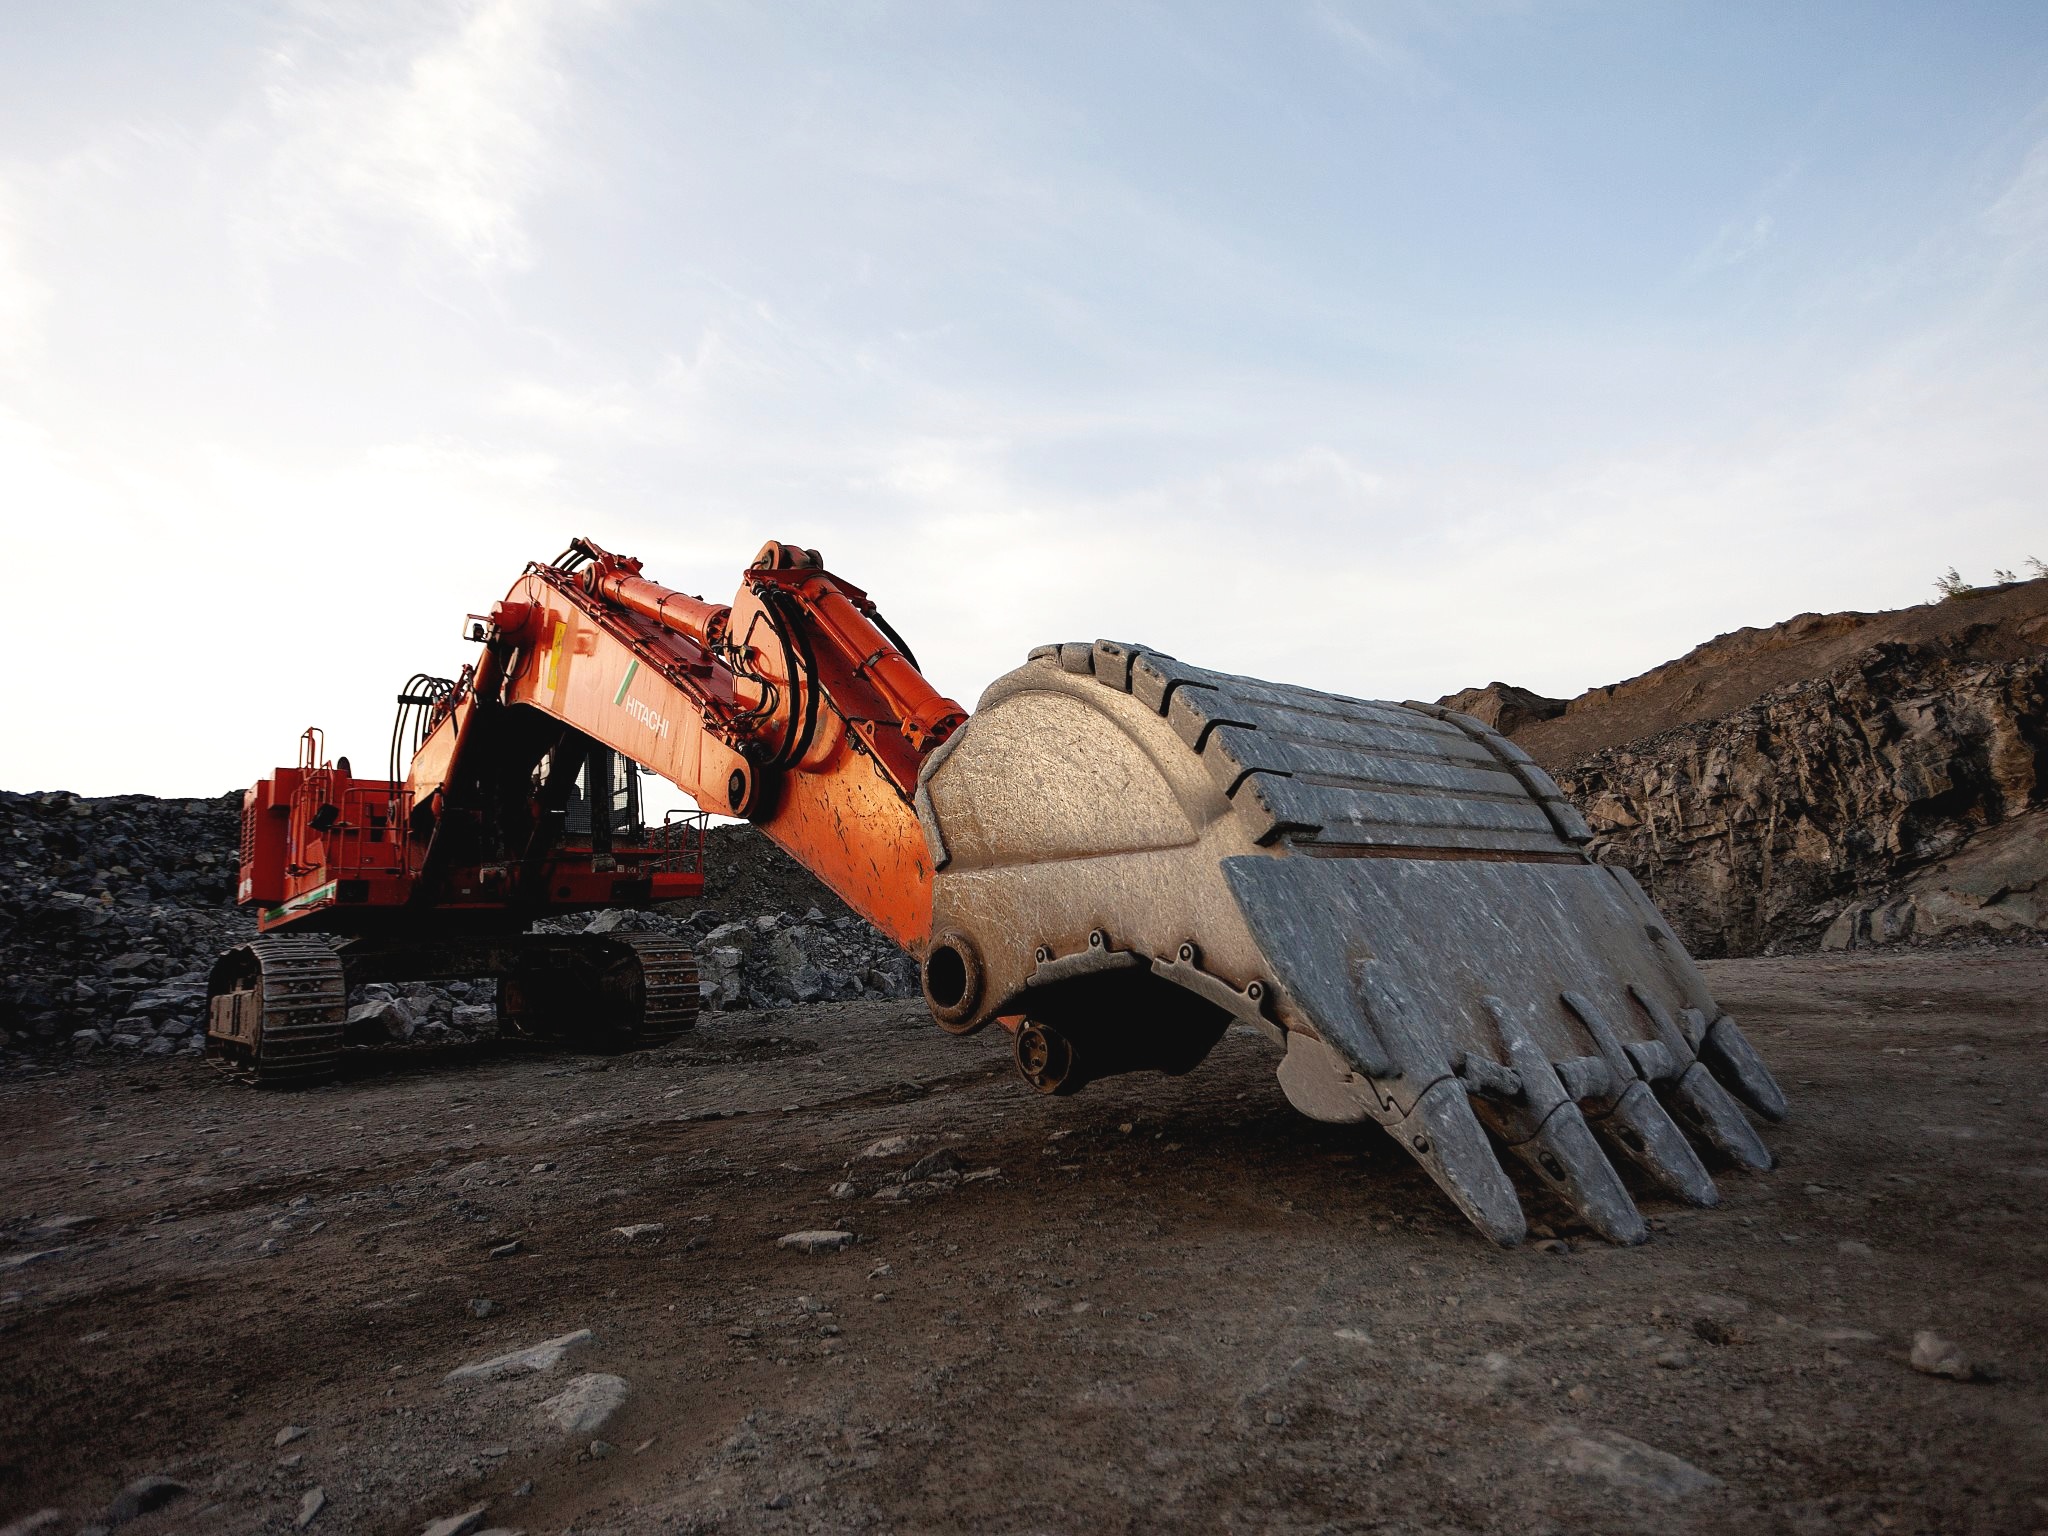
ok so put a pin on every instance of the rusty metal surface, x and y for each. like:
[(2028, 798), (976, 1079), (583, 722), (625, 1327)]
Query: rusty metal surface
[(1131, 853)]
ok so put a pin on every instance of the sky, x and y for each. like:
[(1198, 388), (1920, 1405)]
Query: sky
[(1387, 348)]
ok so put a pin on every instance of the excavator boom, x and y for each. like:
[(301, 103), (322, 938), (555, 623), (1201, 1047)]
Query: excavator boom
[(1116, 857)]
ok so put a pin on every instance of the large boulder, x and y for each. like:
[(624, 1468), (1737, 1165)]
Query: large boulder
[(1995, 886), (1504, 707), (381, 1018)]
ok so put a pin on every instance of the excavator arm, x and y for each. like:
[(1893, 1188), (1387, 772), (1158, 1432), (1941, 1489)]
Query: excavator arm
[(794, 707), (1117, 857)]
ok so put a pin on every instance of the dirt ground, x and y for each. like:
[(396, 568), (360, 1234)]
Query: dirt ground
[(1176, 1306)]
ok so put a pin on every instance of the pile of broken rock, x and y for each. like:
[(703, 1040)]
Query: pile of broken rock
[(775, 959), (111, 911)]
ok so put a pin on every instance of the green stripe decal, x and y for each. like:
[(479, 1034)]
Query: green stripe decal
[(625, 683), (302, 901)]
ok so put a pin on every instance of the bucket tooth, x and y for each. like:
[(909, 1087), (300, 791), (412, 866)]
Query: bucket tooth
[(1564, 1155), (1545, 1128), (1439, 1130), (1715, 1116), (1666, 1028), (1731, 1058), (1635, 1122), (1651, 1139), (1443, 1135)]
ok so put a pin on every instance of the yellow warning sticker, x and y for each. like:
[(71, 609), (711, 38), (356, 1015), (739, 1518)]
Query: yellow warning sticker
[(554, 672)]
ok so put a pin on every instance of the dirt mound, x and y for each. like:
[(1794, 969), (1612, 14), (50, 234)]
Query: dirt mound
[(1733, 671), (745, 874)]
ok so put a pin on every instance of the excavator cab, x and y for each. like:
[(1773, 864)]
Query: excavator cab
[(611, 780)]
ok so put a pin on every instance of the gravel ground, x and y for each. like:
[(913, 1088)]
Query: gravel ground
[(1172, 1305)]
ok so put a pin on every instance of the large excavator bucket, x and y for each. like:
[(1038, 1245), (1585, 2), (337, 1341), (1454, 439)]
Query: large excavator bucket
[(1132, 853)]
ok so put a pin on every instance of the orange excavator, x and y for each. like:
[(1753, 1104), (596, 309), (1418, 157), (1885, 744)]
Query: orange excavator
[(1116, 857)]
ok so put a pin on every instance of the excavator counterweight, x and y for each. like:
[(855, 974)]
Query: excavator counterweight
[(1116, 857)]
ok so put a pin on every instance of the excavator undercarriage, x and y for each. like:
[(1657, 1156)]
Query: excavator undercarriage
[(1116, 857), (277, 1007)]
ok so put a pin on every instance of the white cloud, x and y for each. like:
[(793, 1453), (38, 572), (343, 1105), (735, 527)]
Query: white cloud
[(2018, 219), (1735, 242), (958, 390), (605, 410), (447, 129), (22, 296), (742, 358), (1377, 52)]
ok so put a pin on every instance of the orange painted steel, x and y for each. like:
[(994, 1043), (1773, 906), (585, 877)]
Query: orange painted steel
[(716, 699), (692, 616), (844, 615)]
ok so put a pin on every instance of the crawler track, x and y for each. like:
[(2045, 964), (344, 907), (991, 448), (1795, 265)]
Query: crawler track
[(275, 1010), (669, 990)]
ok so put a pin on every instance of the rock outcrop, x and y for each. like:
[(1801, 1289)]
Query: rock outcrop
[(1847, 779), (1997, 885), (1732, 671), (1505, 707), (1763, 828)]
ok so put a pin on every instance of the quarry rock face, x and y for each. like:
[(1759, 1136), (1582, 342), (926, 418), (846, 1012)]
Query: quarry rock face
[(1769, 825), (1997, 884), (1896, 793)]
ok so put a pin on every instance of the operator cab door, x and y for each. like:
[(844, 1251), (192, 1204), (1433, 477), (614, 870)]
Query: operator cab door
[(616, 780)]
